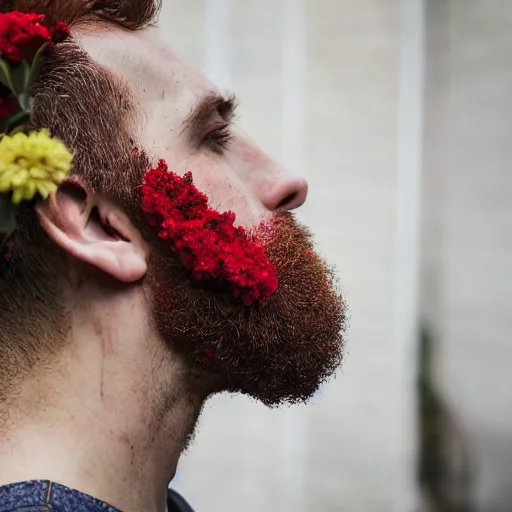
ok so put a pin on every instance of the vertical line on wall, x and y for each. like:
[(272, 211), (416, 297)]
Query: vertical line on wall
[(218, 43), (292, 443), (293, 81), (407, 248)]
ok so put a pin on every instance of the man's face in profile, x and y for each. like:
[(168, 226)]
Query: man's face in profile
[(279, 351)]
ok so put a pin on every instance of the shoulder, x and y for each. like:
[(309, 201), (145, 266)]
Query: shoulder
[(176, 503)]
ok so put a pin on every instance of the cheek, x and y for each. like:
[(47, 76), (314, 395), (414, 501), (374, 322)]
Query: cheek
[(252, 164), (219, 178), (212, 175), (160, 142)]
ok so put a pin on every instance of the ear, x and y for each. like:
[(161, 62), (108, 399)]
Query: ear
[(94, 231)]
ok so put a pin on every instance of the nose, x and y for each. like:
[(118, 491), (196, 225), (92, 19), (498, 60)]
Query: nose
[(286, 193)]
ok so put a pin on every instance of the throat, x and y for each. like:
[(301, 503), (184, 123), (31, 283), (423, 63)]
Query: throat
[(108, 430)]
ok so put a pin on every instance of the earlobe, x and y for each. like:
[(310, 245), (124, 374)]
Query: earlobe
[(94, 231)]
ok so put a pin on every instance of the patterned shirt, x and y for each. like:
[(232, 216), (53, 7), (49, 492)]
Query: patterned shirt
[(45, 496)]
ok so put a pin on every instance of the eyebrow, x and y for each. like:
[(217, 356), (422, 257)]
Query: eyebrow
[(202, 113)]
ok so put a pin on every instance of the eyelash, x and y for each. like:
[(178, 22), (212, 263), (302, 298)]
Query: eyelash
[(218, 140)]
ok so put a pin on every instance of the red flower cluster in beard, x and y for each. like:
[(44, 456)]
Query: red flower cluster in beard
[(22, 35), (207, 242)]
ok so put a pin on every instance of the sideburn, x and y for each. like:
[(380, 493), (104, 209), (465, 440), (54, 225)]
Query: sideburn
[(88, 108)]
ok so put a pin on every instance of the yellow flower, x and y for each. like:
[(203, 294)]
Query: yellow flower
[(32, 164)]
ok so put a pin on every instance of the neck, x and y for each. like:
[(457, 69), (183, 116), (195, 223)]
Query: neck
[(109, 419)]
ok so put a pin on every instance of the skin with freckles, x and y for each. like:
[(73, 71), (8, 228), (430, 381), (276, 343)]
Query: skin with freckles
[(112, 411), (276, 352), (245, 179)]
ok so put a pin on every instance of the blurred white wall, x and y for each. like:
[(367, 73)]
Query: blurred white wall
[(334, 88), (468, 229), (322, 87)]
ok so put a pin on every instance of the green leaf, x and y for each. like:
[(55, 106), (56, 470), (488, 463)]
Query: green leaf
[(36, 65), (19, 129), (17, 120), (5, 75), (7, 216), (24, 101), (20, 74)]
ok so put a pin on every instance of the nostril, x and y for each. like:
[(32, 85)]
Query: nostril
[(285, 194), (290, 199)]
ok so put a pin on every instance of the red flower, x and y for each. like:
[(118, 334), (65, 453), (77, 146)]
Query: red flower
[(8, 106), (208, 243), (59, 32), (22, 35)]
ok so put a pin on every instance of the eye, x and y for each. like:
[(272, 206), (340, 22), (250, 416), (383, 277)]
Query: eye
[(218, 140)]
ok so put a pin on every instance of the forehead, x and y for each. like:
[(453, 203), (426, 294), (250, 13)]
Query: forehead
[(146, 64)]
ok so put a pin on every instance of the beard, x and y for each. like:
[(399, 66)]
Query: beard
[(277, 352)]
